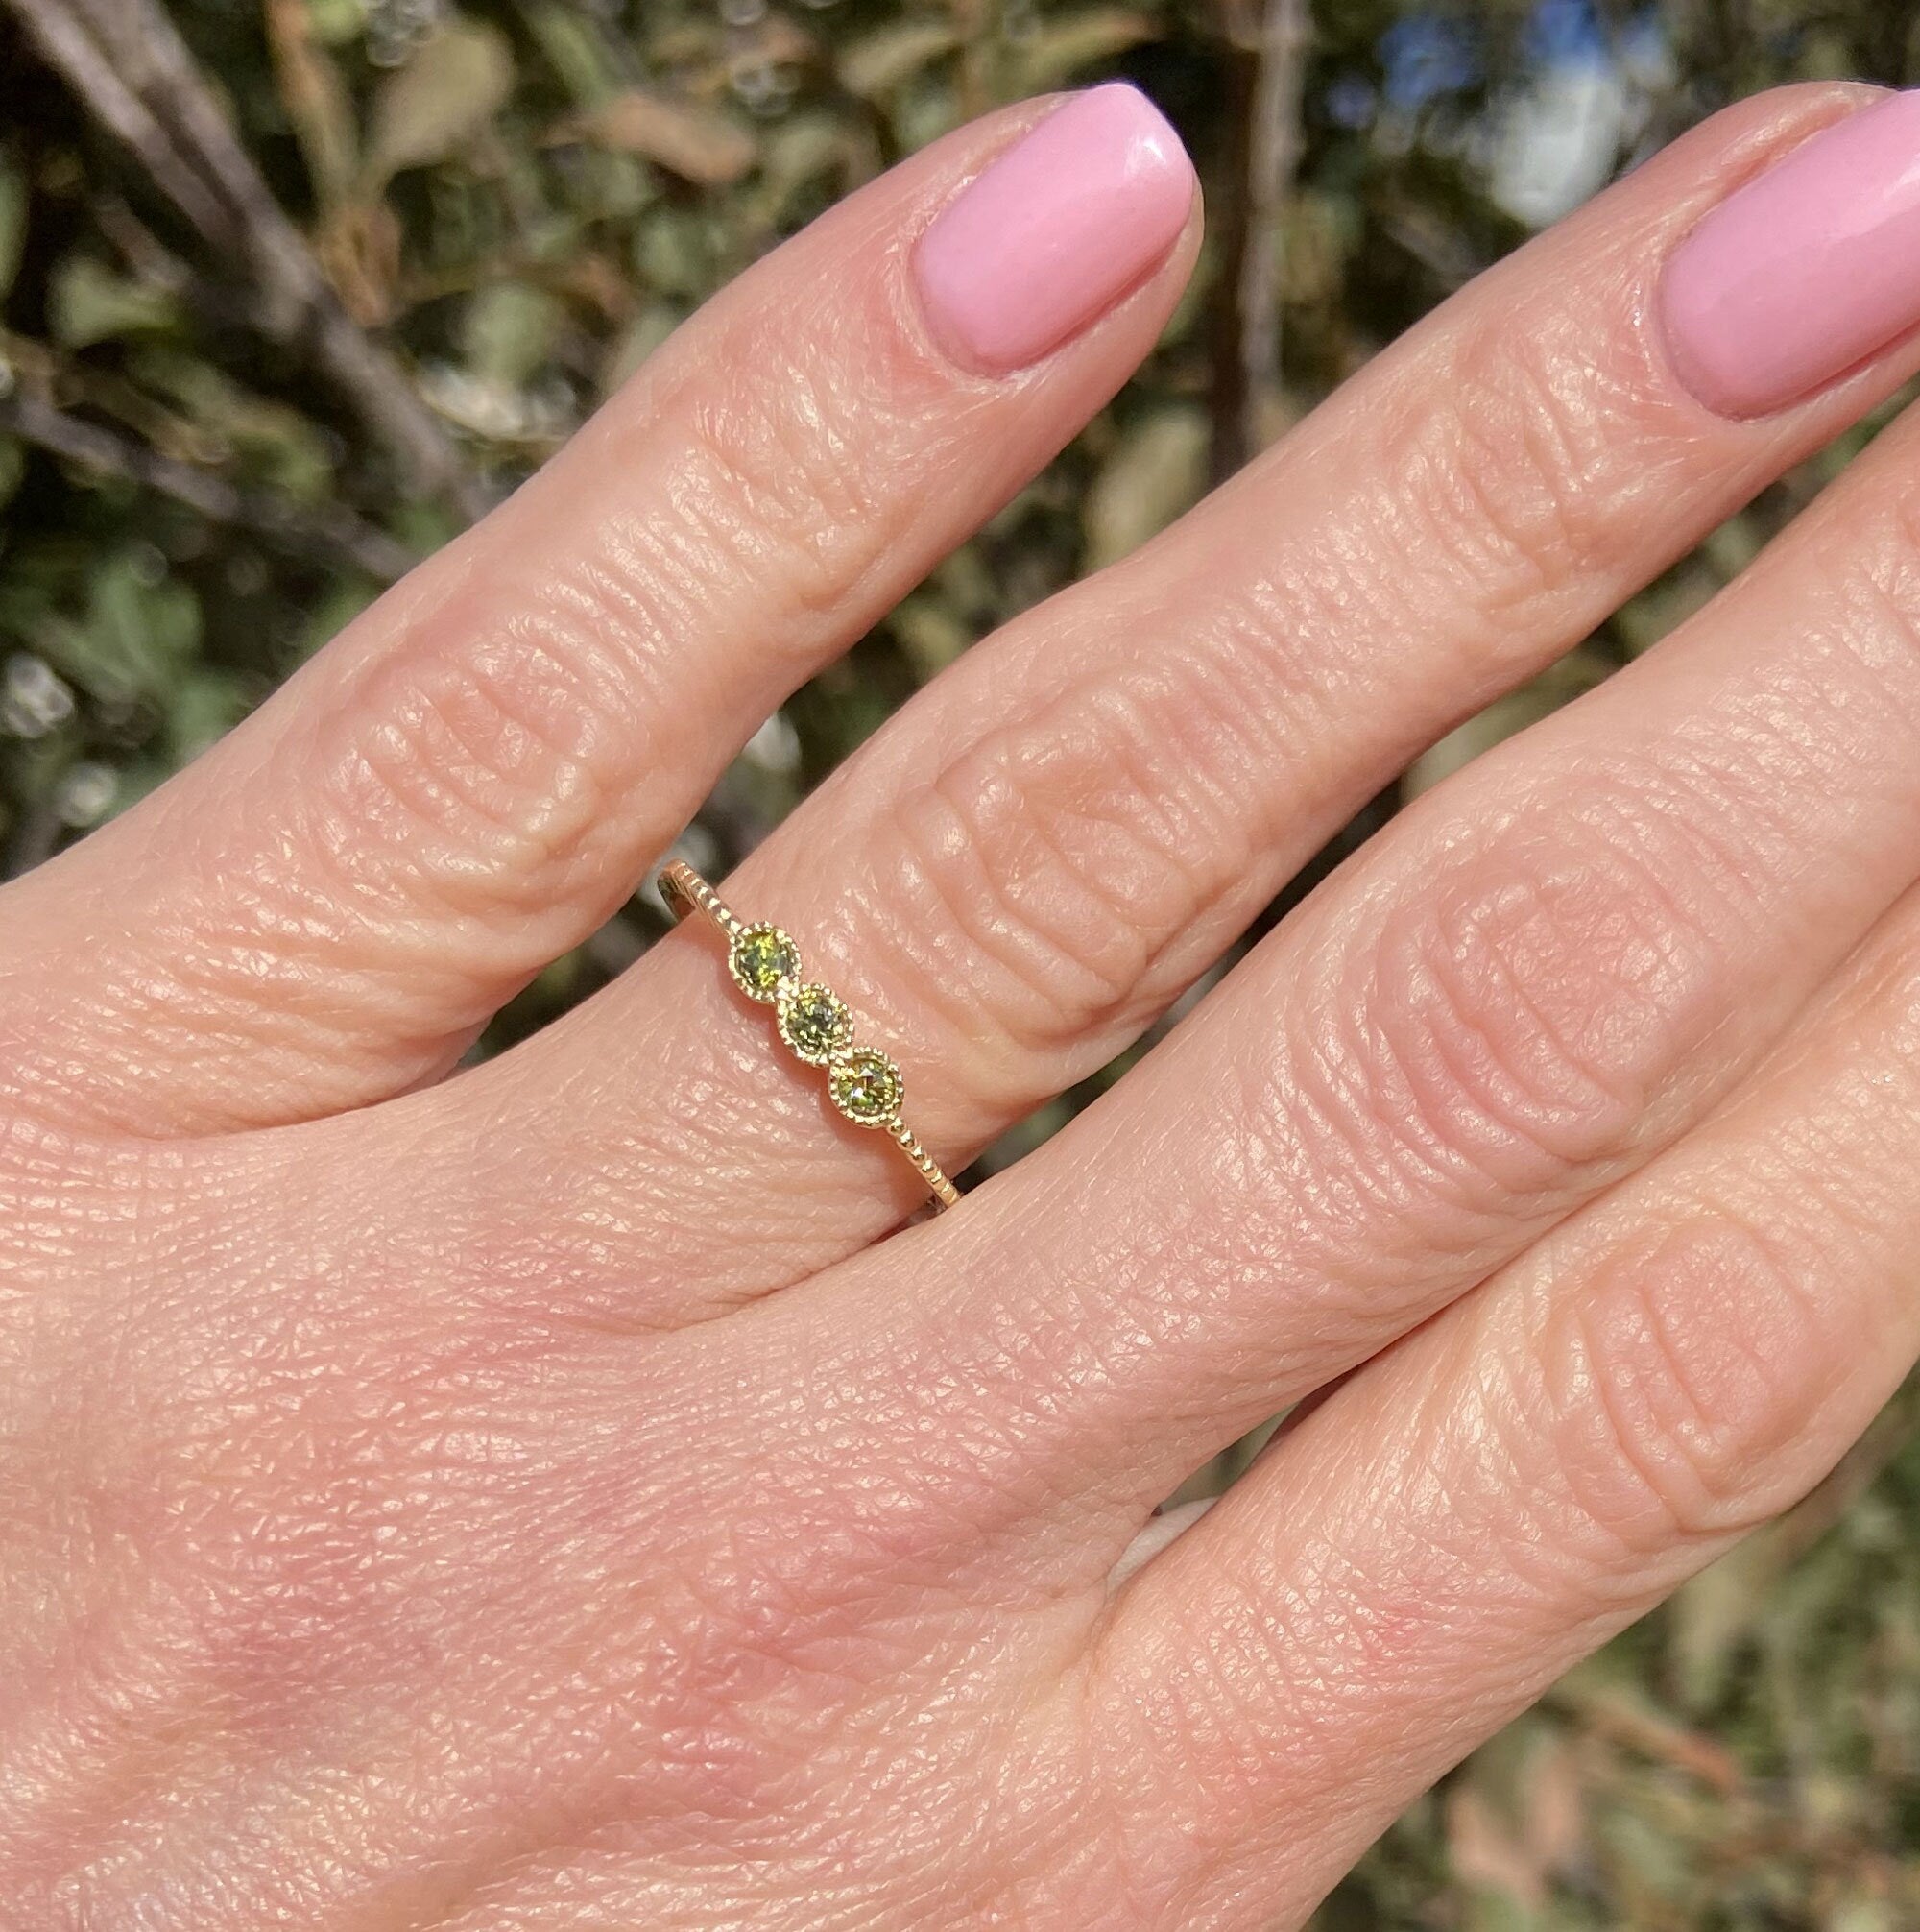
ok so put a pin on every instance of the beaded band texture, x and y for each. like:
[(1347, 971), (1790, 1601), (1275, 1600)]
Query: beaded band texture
[(813, 1021)]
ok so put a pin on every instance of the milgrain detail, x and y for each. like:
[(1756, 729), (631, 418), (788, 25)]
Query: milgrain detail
[(816, 1025)]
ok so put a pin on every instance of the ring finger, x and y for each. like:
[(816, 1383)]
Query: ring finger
[(1550, 969), (1500, 1492)]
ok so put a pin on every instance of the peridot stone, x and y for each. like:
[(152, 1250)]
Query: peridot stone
[(814, 1023), (762, 960), (866, 1086)]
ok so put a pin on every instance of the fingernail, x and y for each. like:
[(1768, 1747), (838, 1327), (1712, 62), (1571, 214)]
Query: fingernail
[(1056, 231), (1803, 274)]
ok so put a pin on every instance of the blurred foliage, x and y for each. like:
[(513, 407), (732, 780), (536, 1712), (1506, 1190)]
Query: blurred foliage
[(511, 202)]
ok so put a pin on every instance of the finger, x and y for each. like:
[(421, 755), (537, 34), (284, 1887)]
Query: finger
[(470, 780), (1016, 875), (1506, 1489), (1544, 973)]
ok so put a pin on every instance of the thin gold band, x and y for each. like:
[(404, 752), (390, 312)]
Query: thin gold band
[(813, 1021)]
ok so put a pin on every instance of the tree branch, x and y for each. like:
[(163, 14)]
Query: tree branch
[(330, 535), (68, 46), (1271, 60), (127, 61), (1273, 162)]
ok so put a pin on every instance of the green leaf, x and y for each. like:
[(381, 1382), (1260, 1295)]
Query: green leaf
[(139, 633), (273, 442), (509, 331), (576, 49), (89, 304), (205, 704), (337, 22)]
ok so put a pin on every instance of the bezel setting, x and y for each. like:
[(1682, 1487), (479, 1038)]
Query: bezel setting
[(866, 1086), (764, 960), (814, 1022)]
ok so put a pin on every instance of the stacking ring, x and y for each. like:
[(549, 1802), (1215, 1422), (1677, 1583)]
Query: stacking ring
[(813, 1021)]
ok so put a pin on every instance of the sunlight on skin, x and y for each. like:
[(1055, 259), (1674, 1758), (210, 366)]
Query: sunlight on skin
[(566, 1495)]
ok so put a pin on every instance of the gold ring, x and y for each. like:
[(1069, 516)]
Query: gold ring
[(813, 1021)]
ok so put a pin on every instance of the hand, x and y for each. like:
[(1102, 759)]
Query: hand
[(544, 1497)]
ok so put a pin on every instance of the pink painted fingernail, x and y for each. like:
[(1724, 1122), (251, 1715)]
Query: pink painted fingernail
[(1805, 272), (1056, 231)]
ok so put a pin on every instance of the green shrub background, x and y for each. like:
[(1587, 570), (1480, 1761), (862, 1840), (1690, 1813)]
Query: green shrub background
[(250, 368)]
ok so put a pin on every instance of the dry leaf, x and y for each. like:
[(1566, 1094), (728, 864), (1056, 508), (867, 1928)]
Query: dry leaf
[(1486, 1851), (699, 144), (359, 246), (439, 101), (879, 62), (316, 99)]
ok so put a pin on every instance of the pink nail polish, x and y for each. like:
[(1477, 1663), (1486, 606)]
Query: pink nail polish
[(1805, 272), (1056, 231)]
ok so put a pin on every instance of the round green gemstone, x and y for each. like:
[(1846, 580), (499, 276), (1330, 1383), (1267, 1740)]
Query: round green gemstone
[(762, 960), (867, 1087), (814, 1023)]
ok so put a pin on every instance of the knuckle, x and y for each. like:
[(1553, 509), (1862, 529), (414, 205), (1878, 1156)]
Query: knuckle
[(1520, 479), (1060, 853), (1508, 1022), (1672, 1382), (783, 471), (772, 465), (491, 760)]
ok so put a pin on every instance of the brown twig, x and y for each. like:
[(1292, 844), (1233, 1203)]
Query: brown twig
[(329, 535), (127, 61), (1273, 162), (67, 45), (1268, 70), (1625, 1720), (34, 367)]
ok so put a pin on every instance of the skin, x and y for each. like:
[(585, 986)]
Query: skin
[(542, 1498)]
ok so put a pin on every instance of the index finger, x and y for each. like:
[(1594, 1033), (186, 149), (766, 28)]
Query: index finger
[(470, 779)]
